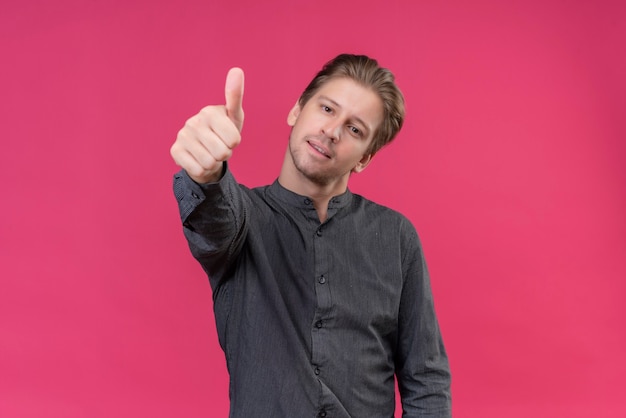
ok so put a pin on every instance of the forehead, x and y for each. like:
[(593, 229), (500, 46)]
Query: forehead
[(353, 99)]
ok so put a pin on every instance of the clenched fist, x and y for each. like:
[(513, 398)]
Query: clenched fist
[(208, 138)]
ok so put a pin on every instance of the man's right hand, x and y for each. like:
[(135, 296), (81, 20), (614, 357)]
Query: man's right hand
[(208, 138)]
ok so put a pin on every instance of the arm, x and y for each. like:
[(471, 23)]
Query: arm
[(210, 202), (214, 221), (422, 365)]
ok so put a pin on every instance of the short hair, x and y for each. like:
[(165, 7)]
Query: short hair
[(365, 71)]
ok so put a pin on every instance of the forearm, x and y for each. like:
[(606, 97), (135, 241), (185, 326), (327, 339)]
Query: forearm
[(426, 393), (213, 217), (422, 366)]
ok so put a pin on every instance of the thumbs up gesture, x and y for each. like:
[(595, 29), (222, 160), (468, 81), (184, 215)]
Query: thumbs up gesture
[(209, 138)]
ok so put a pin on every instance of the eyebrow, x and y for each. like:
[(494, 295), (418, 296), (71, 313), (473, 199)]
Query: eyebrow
[(356, 118)]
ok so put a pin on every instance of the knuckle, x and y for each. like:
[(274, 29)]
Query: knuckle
[(182, 133), (193, 123), (205, 160), (233, 141), (208, 112), (174, 150), (223, 154)]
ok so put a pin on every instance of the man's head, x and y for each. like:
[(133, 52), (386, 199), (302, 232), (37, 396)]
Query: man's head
[(366, 72)]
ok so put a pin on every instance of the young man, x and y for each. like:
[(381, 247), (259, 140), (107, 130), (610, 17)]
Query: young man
[(321, 297)]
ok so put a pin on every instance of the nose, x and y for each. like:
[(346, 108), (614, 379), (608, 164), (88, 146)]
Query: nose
[(332, 130)]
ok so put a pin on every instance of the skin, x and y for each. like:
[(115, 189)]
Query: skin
[(329, 139), (209, 138)]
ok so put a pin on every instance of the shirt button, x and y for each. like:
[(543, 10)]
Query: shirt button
[(195, 195), (322, 414), (319, 232), (317, 371), (307, 201), (322, 279), (319, 324)]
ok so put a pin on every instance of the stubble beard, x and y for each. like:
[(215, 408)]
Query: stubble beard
[(317, 177)]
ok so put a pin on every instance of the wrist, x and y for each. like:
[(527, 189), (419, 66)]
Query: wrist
[(210, 177)]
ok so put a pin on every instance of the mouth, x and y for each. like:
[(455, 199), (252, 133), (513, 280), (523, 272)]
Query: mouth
[(321, 150)]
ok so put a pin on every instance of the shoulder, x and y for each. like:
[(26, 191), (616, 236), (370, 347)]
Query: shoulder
[(386, 220), (380, 212), (230, 187)]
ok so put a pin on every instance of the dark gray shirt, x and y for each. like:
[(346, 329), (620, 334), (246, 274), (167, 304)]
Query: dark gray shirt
[(316, 319)]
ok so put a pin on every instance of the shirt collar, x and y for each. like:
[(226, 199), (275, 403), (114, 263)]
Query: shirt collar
[(304, 202)]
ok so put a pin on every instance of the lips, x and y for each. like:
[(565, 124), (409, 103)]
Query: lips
[(319, 148)]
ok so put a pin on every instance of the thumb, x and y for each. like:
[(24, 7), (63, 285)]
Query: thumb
[(234, 96)]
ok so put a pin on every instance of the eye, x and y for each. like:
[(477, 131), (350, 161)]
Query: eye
[(355, 131), (326, 109)]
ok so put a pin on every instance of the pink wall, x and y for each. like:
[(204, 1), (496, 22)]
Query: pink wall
[(511, 165)]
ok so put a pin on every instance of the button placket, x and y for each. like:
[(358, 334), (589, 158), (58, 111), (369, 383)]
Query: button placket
[(320, 330)]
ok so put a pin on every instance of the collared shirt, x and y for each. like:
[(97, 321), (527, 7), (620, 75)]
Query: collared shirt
[(316, 319)]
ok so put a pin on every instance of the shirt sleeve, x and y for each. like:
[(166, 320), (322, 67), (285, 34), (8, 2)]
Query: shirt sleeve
[(422, 365), (214, 221)]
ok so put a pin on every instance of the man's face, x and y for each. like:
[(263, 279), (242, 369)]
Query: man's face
[(332, 132)]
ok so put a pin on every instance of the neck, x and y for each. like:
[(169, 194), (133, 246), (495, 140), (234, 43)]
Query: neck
[(294, 180)]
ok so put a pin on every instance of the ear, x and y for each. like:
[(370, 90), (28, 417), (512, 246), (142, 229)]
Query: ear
[(293, 114), (360, 166)]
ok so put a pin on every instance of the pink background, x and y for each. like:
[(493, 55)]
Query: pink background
[(511, 166)]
